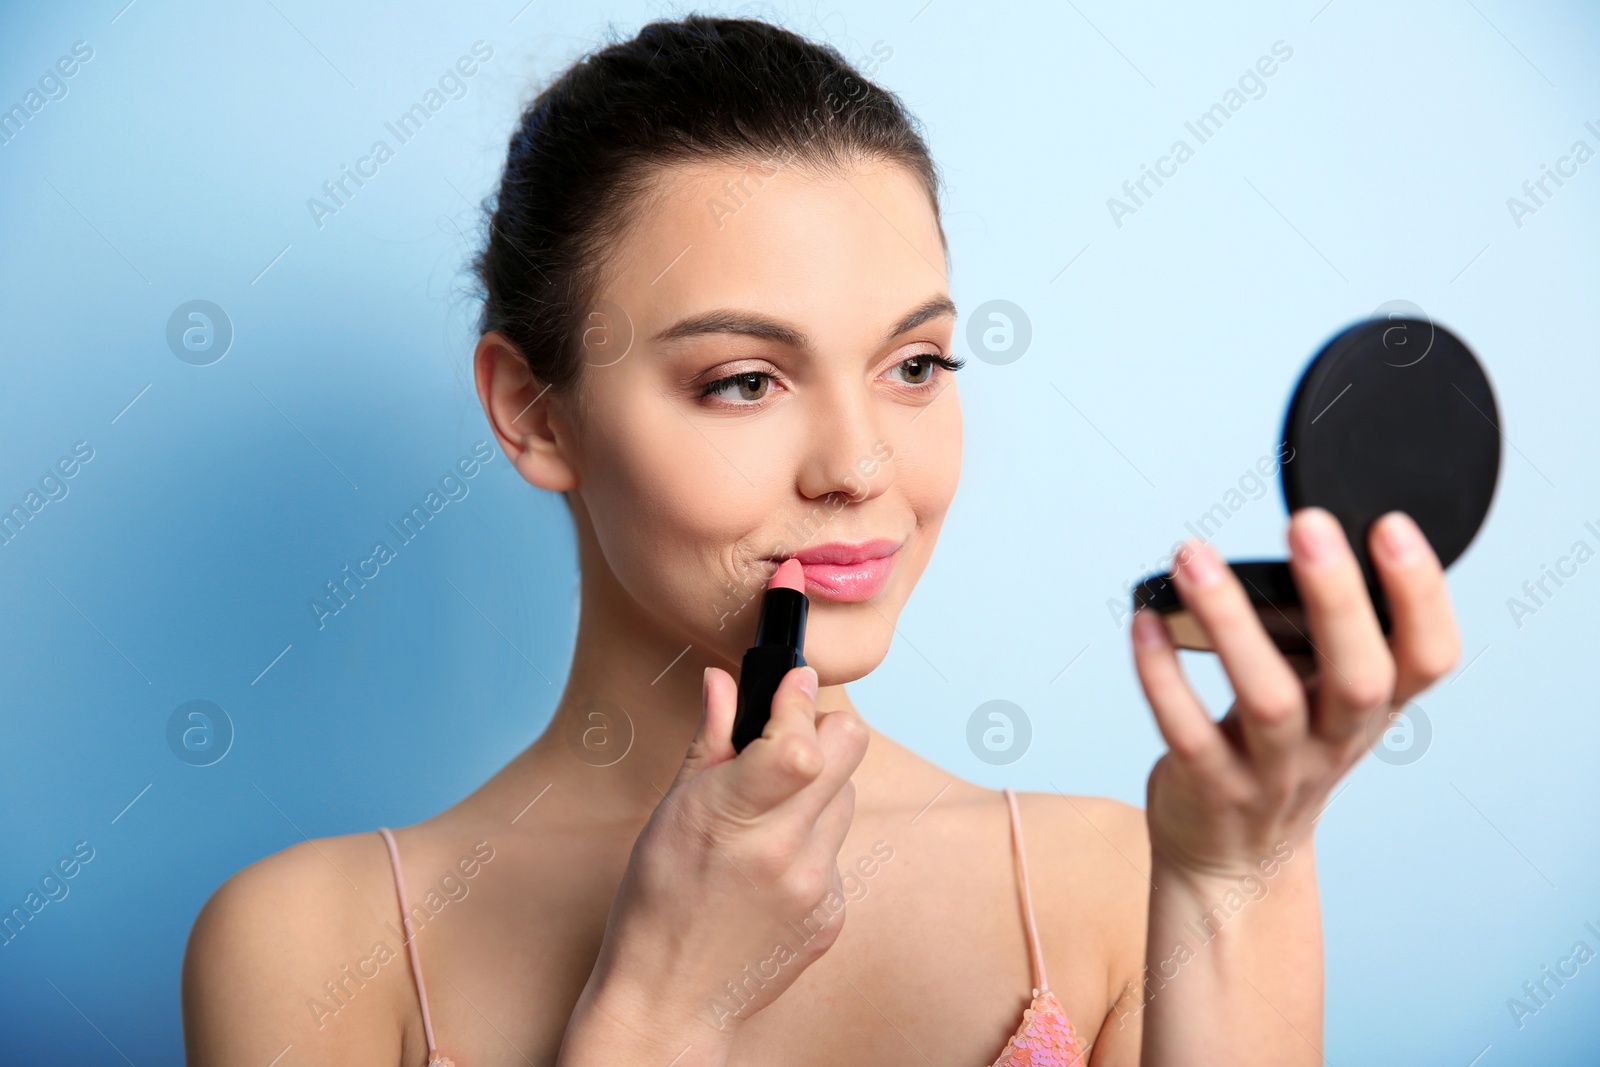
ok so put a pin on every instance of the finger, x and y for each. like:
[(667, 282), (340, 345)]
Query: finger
[(1423, 635), (713, 740), (1269, 700), (842, 735), (785, 758), (794, 706), (1354, 667), (826, 838), (1184, 723), (833, 823)]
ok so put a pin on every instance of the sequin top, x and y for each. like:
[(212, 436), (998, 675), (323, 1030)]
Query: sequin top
[(1044, 1037)]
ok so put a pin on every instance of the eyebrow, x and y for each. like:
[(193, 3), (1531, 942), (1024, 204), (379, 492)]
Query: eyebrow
[(724, 320)]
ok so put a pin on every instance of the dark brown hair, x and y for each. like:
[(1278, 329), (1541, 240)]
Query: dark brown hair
[(586, 150)]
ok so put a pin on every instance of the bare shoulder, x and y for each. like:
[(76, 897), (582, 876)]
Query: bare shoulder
[(1089, 861), (1088, 828), (275, 959)]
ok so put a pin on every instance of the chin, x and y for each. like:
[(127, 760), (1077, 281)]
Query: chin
[(845, 642)]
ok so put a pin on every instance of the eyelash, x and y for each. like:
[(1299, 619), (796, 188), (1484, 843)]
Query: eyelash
[(948, 363)]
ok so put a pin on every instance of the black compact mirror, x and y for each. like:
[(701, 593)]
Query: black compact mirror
[(1392, 414)]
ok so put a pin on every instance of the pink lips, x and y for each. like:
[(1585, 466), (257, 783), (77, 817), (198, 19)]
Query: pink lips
[(847, 572)]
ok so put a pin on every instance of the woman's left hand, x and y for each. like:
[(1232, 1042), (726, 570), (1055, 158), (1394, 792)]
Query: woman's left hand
[(1226, 793)]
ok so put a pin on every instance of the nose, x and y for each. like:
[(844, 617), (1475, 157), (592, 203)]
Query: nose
[(849, 453)]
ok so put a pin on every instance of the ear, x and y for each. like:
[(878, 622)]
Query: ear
[(521, 411)]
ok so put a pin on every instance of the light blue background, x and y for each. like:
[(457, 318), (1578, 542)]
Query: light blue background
[(1376, 167)]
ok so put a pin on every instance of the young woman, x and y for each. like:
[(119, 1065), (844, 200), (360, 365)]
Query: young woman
[(717, 322)]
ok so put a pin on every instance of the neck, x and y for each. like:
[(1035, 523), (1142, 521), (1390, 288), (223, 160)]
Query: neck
[(631, 706)]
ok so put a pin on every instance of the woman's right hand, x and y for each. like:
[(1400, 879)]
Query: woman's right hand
[(726, 896)]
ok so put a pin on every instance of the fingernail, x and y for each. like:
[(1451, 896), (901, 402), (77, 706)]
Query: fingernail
[(1316, 535), (808, 681), (1402, 538), (705, 685), (1148, 631), (1200, 564)]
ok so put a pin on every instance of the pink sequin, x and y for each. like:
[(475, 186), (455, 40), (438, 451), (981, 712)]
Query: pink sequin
[(1044, 1038)]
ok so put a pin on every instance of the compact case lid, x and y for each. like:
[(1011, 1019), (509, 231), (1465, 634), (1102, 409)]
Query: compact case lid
[(1395, 414), (1391, 414)]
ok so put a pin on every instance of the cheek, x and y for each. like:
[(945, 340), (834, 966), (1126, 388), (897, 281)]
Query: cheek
[(671, 512), (927, 469), (928, 461)]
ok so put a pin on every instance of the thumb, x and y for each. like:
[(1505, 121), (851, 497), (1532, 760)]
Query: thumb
[(713, 741)]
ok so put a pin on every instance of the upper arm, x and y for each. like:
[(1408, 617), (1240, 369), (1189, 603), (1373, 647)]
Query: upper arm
[(259, 954)]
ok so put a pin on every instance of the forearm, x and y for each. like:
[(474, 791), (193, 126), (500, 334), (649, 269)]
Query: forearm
[(1233, 966)]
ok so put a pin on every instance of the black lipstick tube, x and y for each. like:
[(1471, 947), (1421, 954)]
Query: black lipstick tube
[(779, 648)]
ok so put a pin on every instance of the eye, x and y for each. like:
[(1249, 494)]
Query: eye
[(744, 387), (919, 369)]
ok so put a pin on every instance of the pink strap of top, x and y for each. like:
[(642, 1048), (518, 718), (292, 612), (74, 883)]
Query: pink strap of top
[(411, 940), (1036, 950)]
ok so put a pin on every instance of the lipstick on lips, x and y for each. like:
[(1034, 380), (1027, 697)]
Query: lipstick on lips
[(780, 640), (848, 572)]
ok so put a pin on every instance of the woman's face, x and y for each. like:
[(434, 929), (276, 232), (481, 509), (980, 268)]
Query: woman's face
[(761, 380)]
